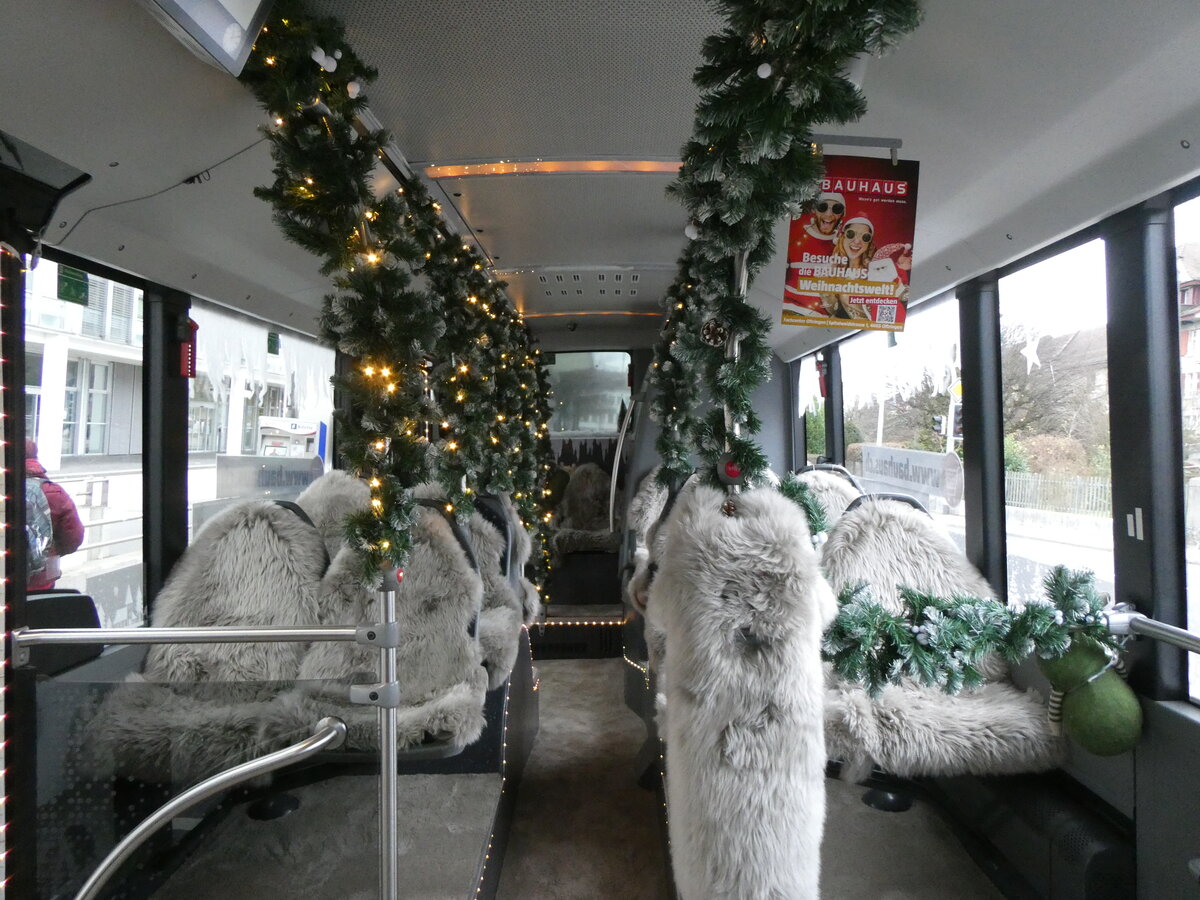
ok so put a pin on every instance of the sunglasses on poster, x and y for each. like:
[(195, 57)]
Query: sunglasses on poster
[(851, 234), (826, 206)]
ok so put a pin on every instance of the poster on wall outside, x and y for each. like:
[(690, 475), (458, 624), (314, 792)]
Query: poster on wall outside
[(849, 257)]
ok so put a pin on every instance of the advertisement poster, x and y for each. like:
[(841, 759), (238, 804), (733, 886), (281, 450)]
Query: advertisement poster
[(849, 257)]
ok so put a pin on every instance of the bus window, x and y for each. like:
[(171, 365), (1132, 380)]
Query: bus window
[(590, 396), (83, 411), (260, 412), (903, 412), (1187, 251), (810, 406), (1054, 366)]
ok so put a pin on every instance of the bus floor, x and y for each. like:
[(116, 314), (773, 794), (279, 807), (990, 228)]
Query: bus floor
[(584, 830)]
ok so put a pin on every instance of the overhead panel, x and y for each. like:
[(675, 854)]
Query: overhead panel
[(572, 220), (469, 79), (563, 292)]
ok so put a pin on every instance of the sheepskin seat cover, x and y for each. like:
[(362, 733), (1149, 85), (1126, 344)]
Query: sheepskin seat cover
[(197, 709), (646, 506), (441, 673), (522, 550), (585, 501), (503, 609), (254, 563), (832, 491), (742, 605), (909, 729)]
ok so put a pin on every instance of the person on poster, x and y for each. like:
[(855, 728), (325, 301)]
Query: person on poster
[(814, 242), (855, 246)]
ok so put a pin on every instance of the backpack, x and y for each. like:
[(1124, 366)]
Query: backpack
[(39, 526)]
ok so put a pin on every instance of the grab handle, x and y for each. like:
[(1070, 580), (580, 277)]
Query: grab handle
[(330, 733)]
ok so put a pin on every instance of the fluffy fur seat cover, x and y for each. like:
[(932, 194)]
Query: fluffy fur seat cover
[(506, 600), (585, 501), (832, 491), (909, 729), (742, 605), (196, 709)]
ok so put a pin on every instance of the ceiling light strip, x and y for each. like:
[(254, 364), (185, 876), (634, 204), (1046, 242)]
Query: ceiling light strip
[(554, 167), (575, 315)]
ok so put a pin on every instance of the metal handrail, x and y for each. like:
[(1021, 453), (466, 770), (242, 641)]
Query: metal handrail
[(330, 733), (1121, 623), (212, 634), (612, 484)]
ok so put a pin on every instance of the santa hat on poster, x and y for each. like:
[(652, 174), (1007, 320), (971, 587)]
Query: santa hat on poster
[(831, 196), (859, 220)]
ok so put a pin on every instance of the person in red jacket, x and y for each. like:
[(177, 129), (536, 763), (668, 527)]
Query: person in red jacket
[(67, 526)]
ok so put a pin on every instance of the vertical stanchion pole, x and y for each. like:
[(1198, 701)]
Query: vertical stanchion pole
[(733, 343), (389, 806)]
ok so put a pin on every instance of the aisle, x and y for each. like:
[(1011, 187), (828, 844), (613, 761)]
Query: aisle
[(583, 828)]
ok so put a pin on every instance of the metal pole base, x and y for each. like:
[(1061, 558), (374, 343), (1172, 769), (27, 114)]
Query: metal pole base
[(273, 806), (887, 801)]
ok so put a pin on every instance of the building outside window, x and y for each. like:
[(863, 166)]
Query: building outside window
[(902, 400), (1054, 366)]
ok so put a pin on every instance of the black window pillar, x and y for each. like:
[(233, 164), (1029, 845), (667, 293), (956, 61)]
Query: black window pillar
[(164, 436), (830, 362), (20, 700), (1146, 433), (797, 430), (983, 429)]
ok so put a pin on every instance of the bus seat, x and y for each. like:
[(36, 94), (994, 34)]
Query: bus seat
[(198, 708), (911, 730), (832, 489), (742, 605), (60, 608), (584, 524), (489, 530)]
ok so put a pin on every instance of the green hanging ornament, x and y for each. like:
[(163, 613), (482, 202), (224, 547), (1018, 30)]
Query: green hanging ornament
[(1098, 709)]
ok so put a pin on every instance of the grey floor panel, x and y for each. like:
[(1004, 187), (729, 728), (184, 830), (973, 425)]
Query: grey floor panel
[(327, 849), (913, 855), (583, 829)]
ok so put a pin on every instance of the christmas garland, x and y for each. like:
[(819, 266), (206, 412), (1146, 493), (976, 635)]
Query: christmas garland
[(940, 641), (445, 381), (772, 74)]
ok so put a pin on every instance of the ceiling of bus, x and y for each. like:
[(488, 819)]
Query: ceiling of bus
[(1029, 119)]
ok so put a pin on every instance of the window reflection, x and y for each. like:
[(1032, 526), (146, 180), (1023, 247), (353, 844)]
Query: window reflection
[(591, 394), (1054, 364), (903, 412), (260, 412)]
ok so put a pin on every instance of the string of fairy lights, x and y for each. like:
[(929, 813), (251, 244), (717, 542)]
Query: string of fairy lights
[(446, 383), (769, 77)]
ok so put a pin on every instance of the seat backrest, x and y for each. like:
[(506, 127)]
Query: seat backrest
[(834, 492), (887, 543), (61, 609), (493, 511)]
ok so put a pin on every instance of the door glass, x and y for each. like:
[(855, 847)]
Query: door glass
[(811, 409), (84, 374), (903, 412), (1187, 252), (259, 422), (1054, 366), (591, 395)]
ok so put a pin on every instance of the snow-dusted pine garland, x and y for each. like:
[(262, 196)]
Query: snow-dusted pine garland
[(445, 382), (770, 77), (939, 641)]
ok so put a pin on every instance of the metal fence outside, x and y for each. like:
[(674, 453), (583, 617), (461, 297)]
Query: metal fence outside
[(1089, 496)]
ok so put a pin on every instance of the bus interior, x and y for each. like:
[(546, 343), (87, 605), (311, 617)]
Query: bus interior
[(510, 648)]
